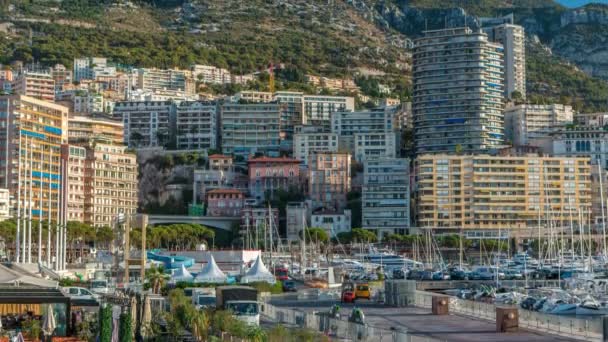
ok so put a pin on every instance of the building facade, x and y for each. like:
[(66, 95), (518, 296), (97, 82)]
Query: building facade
[(146, 123), (210, 74), (268, 174), (170, 79), (513, 38), (591, 142), (370, 146), (196, 125), (458, 92), (333, 223), (83, 67), (76, 160), (82, 129), (485, 195), (318, 108), (527, 122), (35, 84), (224, 202), (385, 200), (5, 204), (111, 183), (306, 143), (329, 180), (251, 128)]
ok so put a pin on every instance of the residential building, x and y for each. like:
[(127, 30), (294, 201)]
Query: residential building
[(318, 108), (139, 95), (196, 125), (458, 92), (84, 68), (35, 84), (513, 39), (146, 123), (82, 129), (486, 195), (250, 128), (260, 220), (267, 174), (329, 180), (111, 183), (88, 102), (389, 102), (366, 134), (309, 142), (61, 75), (291, 115), (385, 200), (5, 204), (210, 74), (76, 160), (578, 141), (253, 96), (591, 119), (297, 217), (170, 79), (403, 117), (31, 137), (219, 173), (332, 222), (224, 202), (527, 122), (375, 145)]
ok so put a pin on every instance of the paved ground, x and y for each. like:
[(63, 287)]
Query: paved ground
[(421, 322)]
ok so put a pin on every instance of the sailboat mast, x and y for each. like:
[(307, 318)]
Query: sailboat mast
[(599, 167)]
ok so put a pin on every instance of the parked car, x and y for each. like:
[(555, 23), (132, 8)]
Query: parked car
[(513, 275), (289, 286), (348, 297), (479, 276), (79, 293), (363, 291), (457, 274)]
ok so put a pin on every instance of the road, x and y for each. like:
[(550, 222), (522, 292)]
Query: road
[(420, 322)]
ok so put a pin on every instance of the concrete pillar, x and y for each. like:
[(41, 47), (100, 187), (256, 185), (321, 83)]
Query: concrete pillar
[(440, 305), (507, 319)]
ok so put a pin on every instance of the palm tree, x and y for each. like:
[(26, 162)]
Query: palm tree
[(200, 325), (156, 277)]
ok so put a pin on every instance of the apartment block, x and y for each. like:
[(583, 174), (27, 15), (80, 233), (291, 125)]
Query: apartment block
[(329, 180), (146, 123), (527, 122), (486, 195), (253, 96), (88, 102), (581, 141), (30, 152), (170, 79), (196, 125), (370, 146), (332, 222), (291, 115), (75, 172), (83, 67), (5, 204), (297, 216), (111, 181), (250, 128), (219, 173), (35, 84), (82, 129), (385, 194), (211, 75), (513, 38), (458, 92), (306, 143), (224, 202), (318, 108), (61, 75), (268, 174)]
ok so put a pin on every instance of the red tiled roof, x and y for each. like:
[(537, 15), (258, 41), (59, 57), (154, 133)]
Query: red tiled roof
[(218, 156), (224, 191), (273, 160)]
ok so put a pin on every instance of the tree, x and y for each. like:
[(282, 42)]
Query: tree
[(362, 235), (156, 277), (316, 235)]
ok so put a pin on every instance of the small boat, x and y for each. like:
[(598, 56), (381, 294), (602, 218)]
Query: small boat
[(591, 307)]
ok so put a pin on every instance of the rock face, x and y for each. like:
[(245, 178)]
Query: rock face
[(585, 45), (586, 15)]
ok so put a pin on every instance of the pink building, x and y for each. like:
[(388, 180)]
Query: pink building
[(269, 174), (224, 202)]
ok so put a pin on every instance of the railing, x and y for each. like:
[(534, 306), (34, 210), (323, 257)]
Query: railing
[(338, 328), (580, 328)]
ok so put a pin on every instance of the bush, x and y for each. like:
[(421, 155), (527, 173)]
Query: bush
[(263, 286)]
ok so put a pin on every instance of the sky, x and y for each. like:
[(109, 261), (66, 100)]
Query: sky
[(577, 3)]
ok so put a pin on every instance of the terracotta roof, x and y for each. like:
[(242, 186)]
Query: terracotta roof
[(224, 191), (218, 156), (273, 160)]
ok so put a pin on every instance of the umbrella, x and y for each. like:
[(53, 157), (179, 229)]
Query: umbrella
[(146, 318), (133, 314), (20, 337), (49, 324)]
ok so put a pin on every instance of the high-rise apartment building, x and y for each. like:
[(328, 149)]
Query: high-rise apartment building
[(86, 67), (75, 172), (291, 115), (170, 79), (196, 125), (308, 142), (458, 92), (250, 128), (516, 195), (31, 137), (35, 84), (527, 122), (318, 108), (385, 198), (329, 180), (61, 75), (110, 183), (210, 74), (82, 129), (513, 39), (146, 123)]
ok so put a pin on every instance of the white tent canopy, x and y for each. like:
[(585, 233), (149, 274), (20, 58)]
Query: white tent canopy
[(182, 274), (211, 273), (258, 272)]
